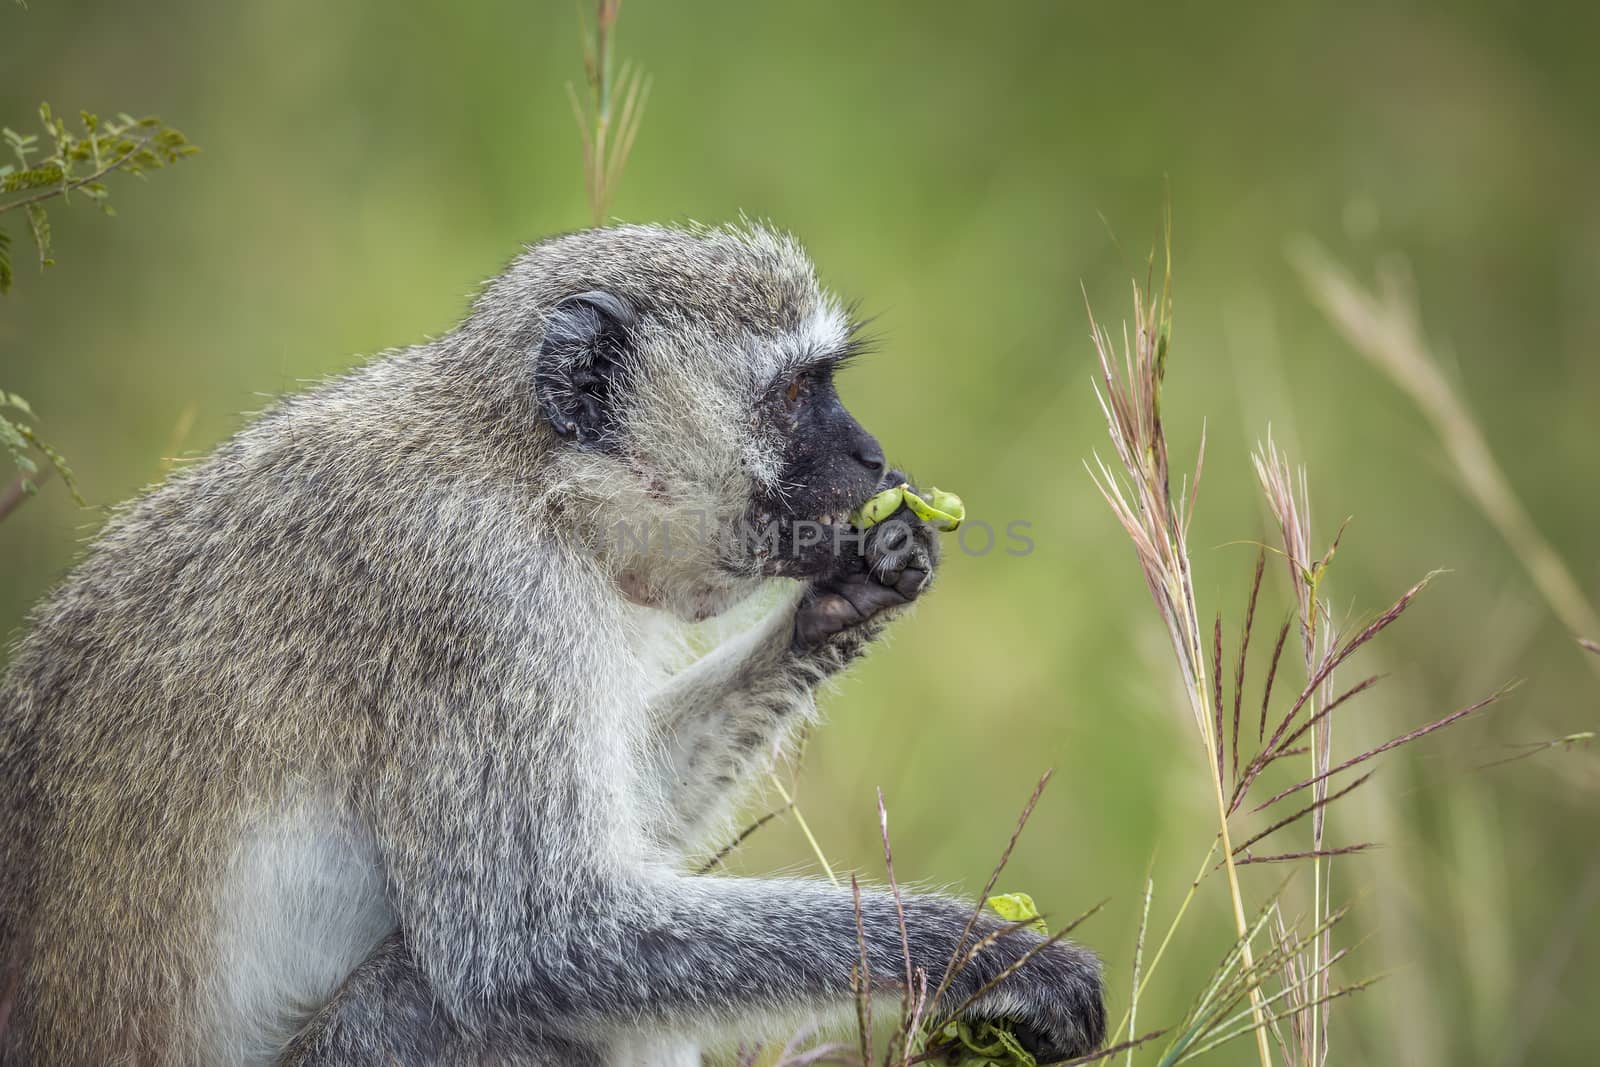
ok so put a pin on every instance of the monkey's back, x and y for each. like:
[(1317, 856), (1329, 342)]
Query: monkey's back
[(222, 655)]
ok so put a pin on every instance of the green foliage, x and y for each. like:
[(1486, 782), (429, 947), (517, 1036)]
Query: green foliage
[(983, 1044), (1016, 908), (20, 440), (77, 162)]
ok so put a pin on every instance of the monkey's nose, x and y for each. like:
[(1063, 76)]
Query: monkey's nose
[(870, 454)]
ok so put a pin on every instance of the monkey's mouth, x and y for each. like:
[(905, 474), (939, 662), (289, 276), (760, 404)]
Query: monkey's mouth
[(803, 546), (809, 533)]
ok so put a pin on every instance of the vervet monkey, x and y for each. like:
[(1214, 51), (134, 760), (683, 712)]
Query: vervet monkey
[(356, 742)]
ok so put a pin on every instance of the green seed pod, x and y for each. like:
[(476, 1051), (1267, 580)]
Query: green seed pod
[(879, 507), (943, 511)]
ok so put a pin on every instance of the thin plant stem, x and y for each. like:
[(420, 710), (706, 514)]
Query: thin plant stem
[(66, 187), (1194, 884), (18, 491), (722, 853), (1138, 958), (606, 130), (1158, 525), (1247, 957), (805, 827), (1214, 759)]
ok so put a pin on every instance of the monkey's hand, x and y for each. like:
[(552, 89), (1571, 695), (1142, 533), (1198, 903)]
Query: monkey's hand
[(851, 603), (1054, 1003)]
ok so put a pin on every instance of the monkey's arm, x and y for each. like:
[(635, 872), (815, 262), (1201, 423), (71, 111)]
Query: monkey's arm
[(693, 955), (508, 820), (716, 723)]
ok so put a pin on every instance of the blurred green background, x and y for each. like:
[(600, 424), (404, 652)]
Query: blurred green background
[(960, 169)]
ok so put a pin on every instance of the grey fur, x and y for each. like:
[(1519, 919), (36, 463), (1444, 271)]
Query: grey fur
[(358, 743)]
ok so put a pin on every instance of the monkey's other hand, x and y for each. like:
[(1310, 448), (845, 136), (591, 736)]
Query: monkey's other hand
[(894, 568), (1054, 1003)]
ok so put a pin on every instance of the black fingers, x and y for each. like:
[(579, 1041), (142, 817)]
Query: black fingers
[(900, 543), (912, 582), (821, 616), (848, 603), (894, 566)]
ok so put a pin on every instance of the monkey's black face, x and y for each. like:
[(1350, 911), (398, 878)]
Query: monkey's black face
[(817, 464), (829, 464)]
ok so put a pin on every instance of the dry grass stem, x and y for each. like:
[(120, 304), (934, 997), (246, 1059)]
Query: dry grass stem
[(1110, 1050), (805, 827), (606, 130), (1244, 651), (1316, 805), (1405, 738), (1139, 493), (1272, 675), (914, 996), (1129, 392), (1138, 959), (861, 980), (726, 850), (959, 957), (1582, 738)]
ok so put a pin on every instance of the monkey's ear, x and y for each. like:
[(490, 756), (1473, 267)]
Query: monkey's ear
[(586, 338)]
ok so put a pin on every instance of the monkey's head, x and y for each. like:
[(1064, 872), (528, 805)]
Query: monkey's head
[(682, 383)]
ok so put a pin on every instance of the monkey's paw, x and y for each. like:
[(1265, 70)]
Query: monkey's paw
[(1054, 1004), (894, 567)]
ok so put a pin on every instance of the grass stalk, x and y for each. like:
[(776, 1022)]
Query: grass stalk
[(1138, 959), (805, 827), (1177, 920), (1129, 391), (607, 132), (1256, 1005)]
